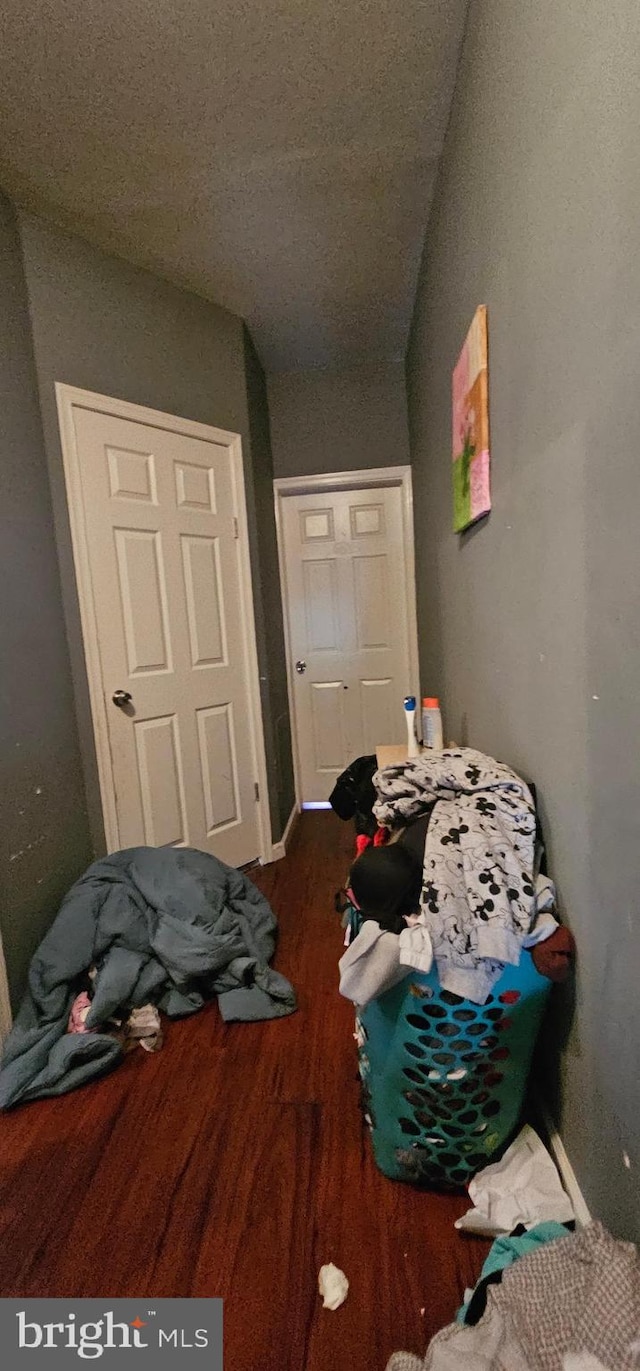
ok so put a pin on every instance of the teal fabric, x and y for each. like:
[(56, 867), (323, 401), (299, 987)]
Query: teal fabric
[(505, 1251), (444, 1079)]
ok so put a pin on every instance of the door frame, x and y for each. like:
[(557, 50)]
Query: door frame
[(285, 486), (6, 1017), (69, 398)]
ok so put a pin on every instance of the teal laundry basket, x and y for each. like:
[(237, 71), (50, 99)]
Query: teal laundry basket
[(444, 1079)]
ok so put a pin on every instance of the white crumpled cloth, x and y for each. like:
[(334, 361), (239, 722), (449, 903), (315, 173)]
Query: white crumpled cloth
[(522, 1188)]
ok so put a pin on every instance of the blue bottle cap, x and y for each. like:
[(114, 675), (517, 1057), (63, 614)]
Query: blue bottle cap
[(409, 702)]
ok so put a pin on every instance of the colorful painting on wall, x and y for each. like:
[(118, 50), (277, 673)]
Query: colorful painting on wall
[(471, 482)]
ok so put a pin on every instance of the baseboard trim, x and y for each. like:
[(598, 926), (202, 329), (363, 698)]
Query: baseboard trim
[(567, 1174), (279, 850)]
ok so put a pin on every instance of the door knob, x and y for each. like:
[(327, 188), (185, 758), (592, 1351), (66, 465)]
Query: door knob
[(121, 698), (301, 668)]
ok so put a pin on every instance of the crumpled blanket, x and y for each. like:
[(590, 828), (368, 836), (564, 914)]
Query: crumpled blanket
[(478, 892), (166, 926)]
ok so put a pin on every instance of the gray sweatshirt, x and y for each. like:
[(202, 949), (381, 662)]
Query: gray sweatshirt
[(371, 964)]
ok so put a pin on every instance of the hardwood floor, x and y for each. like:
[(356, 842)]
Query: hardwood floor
[(234, 1163)]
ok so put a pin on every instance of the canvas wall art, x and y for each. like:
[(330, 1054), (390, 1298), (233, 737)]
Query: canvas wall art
[(471, 479)]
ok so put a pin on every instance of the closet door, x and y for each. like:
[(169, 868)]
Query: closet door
[(348, 620), (158, 516)]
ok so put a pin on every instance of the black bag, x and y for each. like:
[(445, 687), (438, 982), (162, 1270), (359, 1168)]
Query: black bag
[(353, 795)]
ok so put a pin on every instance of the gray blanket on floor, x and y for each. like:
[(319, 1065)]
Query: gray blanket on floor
[(170, 926)]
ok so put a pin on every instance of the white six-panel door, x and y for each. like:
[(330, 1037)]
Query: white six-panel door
[(160, 519), (349, 627)]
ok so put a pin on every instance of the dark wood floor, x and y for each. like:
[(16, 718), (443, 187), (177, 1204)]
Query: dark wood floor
[(234, 1163)]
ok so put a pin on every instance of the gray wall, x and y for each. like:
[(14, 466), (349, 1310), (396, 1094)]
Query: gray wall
[(323, 421), (269, 627), (43, 822), (106, 326), (529, 624)]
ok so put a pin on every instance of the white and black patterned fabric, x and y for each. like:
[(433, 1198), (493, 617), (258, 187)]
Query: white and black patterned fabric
[(478, 885)]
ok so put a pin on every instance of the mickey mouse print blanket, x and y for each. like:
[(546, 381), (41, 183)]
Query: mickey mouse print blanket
[(478, 892)]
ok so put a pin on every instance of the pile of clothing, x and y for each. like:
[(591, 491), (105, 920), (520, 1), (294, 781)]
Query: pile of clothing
[(546, 1301), (483, 896), (353, 797), (140, 1027), (143, 930)]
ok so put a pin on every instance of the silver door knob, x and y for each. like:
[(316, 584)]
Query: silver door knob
[(121, 698), (301, 668)]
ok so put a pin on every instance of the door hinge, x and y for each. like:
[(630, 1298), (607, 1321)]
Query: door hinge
[(235, 528), (256, 788)]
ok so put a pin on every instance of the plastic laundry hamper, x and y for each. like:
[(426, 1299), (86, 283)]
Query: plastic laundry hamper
[(444, 1079)]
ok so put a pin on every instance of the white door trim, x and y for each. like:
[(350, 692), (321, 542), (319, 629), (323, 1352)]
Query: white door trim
[(69, 398), (349, 480)]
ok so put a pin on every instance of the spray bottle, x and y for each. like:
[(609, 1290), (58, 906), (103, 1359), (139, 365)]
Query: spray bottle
[(432, 724), (413, 748)]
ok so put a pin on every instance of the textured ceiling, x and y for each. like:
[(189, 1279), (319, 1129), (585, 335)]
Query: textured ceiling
[(277, 156)]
